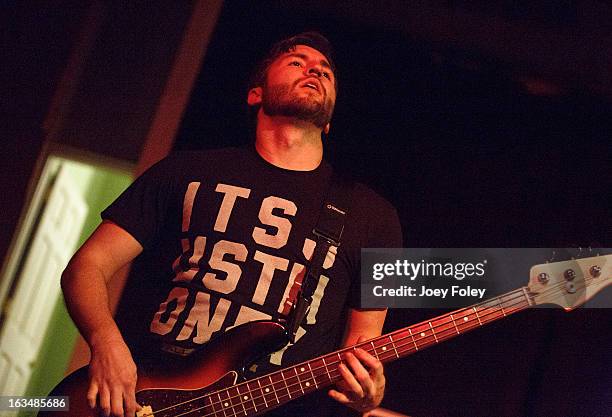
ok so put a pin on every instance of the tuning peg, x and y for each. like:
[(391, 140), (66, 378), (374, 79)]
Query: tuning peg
[(543, 278), (595, 271)]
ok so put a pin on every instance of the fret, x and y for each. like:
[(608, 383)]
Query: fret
[(257, 394), (482, 313), (221, 403), (476, 312), (263, 396), (382, 347), (444, 327), (501, 305), (304, 379), (327, 370), (245, 395), (212, 405), (242, 399), (286, 386), (421, 335), (319, 370), (339, 362), (394, 347), (455, 324), (463, 321), (413, 341), (297, 378), (374, 350), (235, 399), (313, 376), (529, 300), (227, 402), (273, 389), (433, 332)]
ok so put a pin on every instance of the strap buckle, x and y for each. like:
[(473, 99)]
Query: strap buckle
[(332, 240), (331, 224)]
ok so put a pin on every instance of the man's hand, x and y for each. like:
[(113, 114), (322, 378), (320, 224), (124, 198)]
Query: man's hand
[(112, 372), (112, 379), (363, 385)]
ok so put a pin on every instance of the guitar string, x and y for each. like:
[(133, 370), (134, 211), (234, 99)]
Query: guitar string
[(331, 379), (398, 347), (334, 375), (519, 294), (250, 408), (516, 294)]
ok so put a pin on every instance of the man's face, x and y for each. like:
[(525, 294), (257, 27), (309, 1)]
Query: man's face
[(300, 84)]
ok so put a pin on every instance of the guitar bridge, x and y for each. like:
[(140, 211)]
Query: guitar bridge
[(145, 411)]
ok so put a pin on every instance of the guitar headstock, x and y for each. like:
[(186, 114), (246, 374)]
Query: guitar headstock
[(570, 284)]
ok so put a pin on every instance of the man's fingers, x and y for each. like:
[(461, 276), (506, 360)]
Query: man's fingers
[(360, 372), (92, 394), (339, 396), (104, 400), (362, 375), (117, 401), (354, 387), (130, 404), (372, 363)]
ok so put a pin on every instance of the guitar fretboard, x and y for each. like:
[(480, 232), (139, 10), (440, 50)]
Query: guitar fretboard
[(264, 393)]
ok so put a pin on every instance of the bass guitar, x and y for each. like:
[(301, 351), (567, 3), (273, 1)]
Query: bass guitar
[(210, 385)]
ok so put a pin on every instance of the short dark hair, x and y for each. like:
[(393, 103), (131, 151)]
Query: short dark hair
[(313, 39)]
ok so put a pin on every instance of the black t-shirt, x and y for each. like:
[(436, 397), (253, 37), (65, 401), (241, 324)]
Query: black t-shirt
[(225, 234)]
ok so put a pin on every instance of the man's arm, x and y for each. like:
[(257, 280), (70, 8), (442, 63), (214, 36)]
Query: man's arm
[(112, 372), (363, 385)]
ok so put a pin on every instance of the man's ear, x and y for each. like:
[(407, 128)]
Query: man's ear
[(326, 129), (254, 96)]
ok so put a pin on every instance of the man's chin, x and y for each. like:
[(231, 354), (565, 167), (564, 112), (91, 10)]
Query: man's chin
[(305, 109)]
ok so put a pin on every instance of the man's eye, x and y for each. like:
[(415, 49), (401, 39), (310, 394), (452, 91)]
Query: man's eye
[(326, 75), (295, 64)]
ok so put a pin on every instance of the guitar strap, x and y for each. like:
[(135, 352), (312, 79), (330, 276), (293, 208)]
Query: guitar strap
[(328, 233)]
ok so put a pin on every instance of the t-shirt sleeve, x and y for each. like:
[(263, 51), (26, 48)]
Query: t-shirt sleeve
[(383, 231), (142, 208)]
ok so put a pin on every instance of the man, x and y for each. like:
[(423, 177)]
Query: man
[(224, 235)]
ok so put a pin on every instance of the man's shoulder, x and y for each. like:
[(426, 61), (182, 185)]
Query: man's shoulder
[(366, 199), (373, 218)]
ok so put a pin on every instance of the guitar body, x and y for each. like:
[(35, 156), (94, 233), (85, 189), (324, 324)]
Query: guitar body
[(217, 366)]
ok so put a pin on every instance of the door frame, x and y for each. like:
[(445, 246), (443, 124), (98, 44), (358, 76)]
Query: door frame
[(35, 197)]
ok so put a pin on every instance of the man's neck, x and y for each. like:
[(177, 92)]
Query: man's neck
[(288, 143)]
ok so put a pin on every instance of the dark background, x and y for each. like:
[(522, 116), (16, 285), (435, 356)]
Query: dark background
[(473, 153), (486, 123)]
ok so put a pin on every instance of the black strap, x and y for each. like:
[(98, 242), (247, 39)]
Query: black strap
[(328, 232)]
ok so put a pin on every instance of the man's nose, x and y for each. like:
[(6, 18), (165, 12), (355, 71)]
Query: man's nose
[(315, 70)]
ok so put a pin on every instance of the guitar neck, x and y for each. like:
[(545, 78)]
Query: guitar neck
[(261, 394)]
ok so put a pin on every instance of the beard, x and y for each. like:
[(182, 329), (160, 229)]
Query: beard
[(278, 101)]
